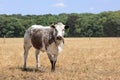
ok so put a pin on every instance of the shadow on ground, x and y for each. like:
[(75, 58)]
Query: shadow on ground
[(30, 69)]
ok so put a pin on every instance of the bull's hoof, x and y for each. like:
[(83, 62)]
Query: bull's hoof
[(24, 69), (52, 70)]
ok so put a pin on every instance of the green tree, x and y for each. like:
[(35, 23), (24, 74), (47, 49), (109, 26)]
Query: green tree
[(71, 22), (112, 25), (11, 27)]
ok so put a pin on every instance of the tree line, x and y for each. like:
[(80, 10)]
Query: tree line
[(104, 24)]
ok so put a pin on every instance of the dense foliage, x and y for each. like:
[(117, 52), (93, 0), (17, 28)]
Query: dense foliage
[(105, 24)]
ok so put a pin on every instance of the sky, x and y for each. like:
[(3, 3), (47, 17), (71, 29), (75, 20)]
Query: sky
[(41, 7)]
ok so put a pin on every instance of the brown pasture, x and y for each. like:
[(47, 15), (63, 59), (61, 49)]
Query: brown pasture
[(81, 59)]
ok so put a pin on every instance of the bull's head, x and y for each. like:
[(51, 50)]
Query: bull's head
[(59, 30)]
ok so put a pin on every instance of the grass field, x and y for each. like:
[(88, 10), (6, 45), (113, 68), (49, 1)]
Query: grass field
[(81, 59)]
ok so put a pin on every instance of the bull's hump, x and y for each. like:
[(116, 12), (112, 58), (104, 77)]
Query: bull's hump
[(40, 27)]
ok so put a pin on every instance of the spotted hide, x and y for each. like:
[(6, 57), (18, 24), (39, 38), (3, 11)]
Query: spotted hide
[(44, 38)]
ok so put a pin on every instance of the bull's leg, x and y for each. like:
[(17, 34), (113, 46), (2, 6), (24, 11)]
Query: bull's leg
[(26, 49), (53, 60), (53, 65), (37, 58)]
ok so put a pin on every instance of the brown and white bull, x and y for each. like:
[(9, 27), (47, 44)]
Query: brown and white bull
[(44, 38)]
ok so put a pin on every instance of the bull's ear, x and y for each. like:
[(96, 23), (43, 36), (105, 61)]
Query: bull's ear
[(66, 27), (52, 26)]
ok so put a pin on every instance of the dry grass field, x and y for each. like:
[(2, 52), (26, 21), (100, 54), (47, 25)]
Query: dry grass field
[(81, 59)]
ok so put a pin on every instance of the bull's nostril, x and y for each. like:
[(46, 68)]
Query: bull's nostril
[(59, 37)]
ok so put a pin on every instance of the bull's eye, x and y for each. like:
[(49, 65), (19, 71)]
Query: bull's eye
[(63, 30)]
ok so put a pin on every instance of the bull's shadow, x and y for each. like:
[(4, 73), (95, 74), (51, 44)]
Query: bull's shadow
[(34, 69), (29, 69)]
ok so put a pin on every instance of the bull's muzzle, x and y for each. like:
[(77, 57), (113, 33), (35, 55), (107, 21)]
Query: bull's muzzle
[(59, 38)]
